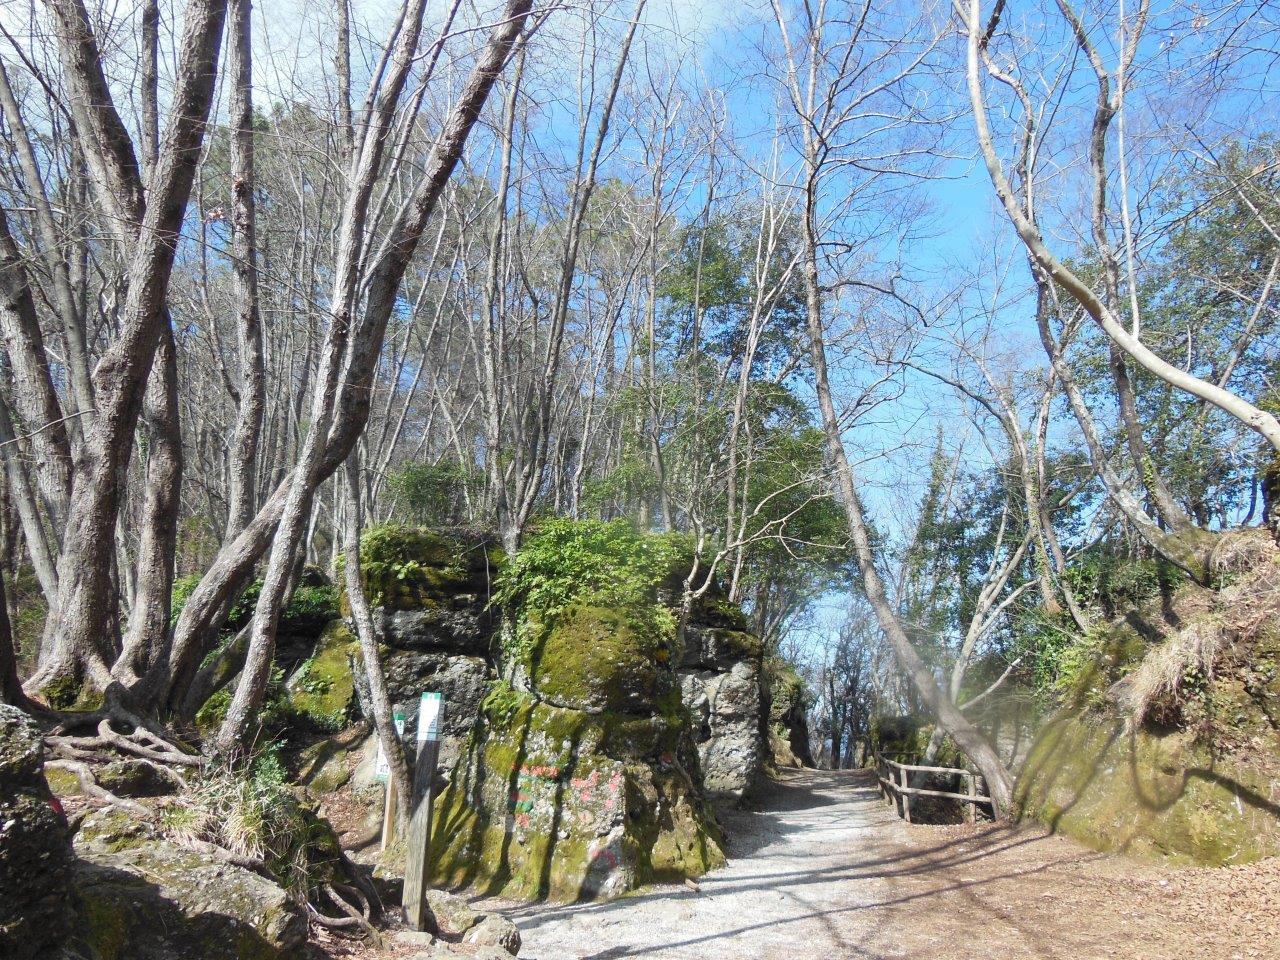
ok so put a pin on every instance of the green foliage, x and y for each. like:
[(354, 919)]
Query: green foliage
[(609, 564), (501, 704), (1113, 579), (434, 493), (313, 604)]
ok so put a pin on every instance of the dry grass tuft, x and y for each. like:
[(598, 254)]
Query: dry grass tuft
[(1247, 565), (1165, 672)]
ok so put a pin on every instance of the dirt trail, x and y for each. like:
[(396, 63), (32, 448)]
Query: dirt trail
[(823, 869)]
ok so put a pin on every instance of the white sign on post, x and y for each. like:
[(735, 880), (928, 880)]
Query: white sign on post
[(382, 766), (430, 716)]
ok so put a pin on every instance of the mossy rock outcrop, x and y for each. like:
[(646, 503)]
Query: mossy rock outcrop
[(722, 686), (1159, 794), (35, 846), (788, 716), (413, 568), (1169, 744), (564, 804)]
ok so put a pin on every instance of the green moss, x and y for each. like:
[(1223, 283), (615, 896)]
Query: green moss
[(407, 568), (322, 689), (563, 804), (1147, 793), (63, 783), (103, 927), (603, 658), (1087, 668), (112, 830), (62, 692), (500, 705)]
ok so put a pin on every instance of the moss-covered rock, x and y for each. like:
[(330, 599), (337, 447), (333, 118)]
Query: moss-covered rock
[(563, 804), (788, 715), (408, 568), (135, 778), (604, 658), (322, 689), (1149, 793)]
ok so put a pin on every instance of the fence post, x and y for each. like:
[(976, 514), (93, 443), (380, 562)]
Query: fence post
[(971, 806), (906, 797)]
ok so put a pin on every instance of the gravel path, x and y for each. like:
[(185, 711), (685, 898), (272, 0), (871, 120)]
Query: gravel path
[(823, 870), (796, 886)]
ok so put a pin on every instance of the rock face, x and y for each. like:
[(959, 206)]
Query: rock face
[(35, 846), (788, 717), (1150, 793), (586, 770), (141, 898), (549, 802), (720, 681), (585, 784), (430, 595)]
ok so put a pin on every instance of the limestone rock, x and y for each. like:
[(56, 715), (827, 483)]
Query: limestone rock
[(451, 915), (788, 716), (461, 679), (35, 846), (721, 685), (465, 625), (142, 898)]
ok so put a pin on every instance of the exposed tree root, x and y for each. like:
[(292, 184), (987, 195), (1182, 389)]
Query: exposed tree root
[(91, 788)]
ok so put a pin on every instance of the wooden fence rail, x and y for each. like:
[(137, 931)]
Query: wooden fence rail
[(895, 786)]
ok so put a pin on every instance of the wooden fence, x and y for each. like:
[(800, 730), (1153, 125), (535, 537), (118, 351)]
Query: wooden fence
[(895, 786)]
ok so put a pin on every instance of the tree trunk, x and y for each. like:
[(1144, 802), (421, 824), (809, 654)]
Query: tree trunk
[(379, 700), (949, 717)]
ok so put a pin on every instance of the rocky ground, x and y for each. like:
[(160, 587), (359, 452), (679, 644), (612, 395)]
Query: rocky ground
[(822, 868)]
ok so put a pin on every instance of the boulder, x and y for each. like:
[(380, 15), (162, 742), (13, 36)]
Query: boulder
[(135, 778), (495, 931), (143, 898), (450, 914), (35, 846)]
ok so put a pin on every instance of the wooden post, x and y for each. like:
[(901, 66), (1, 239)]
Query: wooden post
[(390, 809), (417, 860), (971, 807), (906, 797), (391, 804)]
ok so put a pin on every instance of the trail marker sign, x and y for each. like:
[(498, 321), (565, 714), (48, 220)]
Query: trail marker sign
[(417, 863)]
